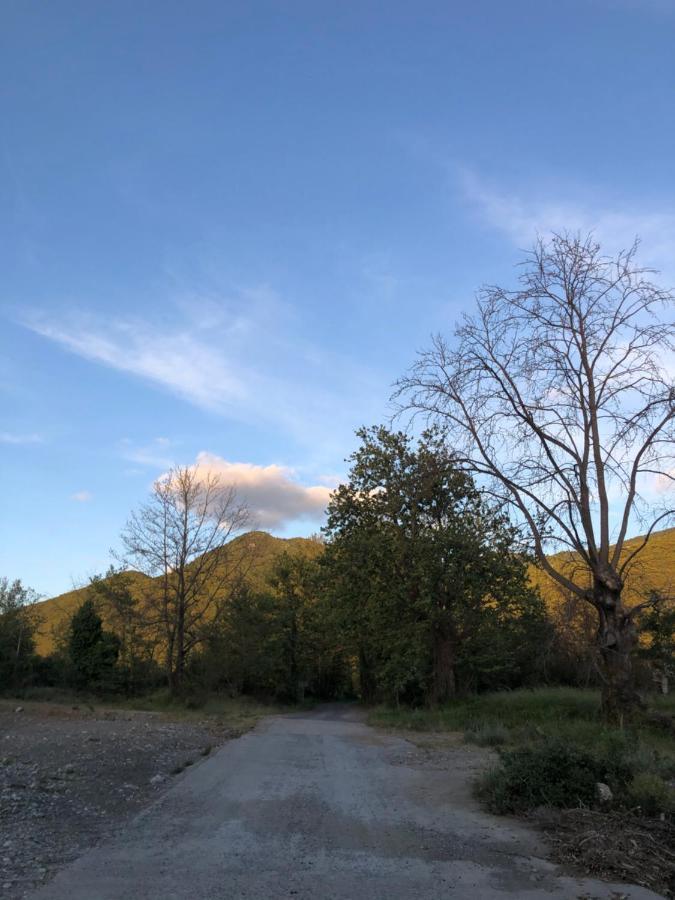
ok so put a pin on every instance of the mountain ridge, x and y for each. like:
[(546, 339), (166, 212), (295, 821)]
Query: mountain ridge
[(655, 571)]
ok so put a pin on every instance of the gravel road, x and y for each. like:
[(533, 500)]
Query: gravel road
[(319, 805)]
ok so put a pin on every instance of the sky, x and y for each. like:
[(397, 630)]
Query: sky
[(226, 228)]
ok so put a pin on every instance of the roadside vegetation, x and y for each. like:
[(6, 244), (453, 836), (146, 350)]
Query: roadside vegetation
[(553, 750), (604, 795)]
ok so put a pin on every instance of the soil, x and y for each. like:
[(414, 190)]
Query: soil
[(71, 776), (613, 845)]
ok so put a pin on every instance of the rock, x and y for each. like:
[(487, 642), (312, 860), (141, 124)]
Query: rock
[(69, 769), (157, 779), (603, 792), (18, 709)]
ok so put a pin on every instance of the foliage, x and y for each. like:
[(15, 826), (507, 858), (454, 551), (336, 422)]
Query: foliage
[(92, 651), (277, 641), (121, 608), (650, 794), (658, 628), (547, 734), (17, 632), (426, 578), (551, 773), (487, 734)]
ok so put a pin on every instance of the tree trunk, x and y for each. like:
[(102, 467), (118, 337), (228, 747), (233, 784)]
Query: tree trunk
[(168, 665), (617, 638), (179, 671), (444, 685), (367, 681)]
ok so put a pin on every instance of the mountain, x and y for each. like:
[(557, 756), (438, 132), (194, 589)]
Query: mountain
[(655, 571), (260, 548)]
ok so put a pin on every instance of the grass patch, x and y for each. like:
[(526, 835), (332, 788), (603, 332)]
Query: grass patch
[(554, 749), (238, 713), (487, 734), (513, 709)]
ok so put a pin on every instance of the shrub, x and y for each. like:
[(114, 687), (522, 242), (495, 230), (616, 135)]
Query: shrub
[(550, 774), (651, 794), (487, 734)]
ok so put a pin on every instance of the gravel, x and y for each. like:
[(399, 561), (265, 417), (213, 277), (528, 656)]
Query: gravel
[(72, 776)]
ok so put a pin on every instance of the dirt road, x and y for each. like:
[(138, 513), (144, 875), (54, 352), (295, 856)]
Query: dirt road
[(319, 805)]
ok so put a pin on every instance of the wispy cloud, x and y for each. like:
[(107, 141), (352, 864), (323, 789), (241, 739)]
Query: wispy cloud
[(156, 454), (82, 496), (522, 215), (243, 359), (8, 437), (272, 493), (177, 360)]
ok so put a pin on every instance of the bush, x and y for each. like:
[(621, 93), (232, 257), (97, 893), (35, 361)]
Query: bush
[(487, 734), (651, 794), (550, 774)]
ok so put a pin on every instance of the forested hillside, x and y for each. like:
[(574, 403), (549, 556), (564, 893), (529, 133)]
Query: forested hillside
[(655, 571), (259, 549)]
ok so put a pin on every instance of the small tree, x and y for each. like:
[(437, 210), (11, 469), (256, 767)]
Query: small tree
[(556, 395), (18, 624), (92, 651), (179, 540)]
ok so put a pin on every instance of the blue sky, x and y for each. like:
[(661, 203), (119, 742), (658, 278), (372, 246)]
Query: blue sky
[(225, 228)]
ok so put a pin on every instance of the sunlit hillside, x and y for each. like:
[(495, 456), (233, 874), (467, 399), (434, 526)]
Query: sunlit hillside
[(254, 553), (258, 550), (653, 569)]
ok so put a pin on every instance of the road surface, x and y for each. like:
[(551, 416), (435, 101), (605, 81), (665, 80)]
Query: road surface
[(319, 805)]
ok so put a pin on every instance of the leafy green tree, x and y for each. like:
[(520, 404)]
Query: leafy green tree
[(279, 641), (116, 594), (92, 651), (17, 630), (310, 657), (658, 627), (238, 651), (422, 568)]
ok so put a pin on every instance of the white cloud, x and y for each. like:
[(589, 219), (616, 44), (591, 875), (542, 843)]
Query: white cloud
[(273, 495), (82, 496), (7, 437), (522, 216), (177, 359), (154, 454), (244, 359)]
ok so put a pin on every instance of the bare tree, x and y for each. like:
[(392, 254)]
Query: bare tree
[(558, 395), (179, 538)]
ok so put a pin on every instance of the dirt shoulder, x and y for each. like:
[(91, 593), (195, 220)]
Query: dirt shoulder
[(72, 775), (615, 846)]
